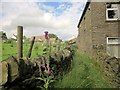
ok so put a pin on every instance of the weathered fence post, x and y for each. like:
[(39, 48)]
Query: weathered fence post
[(19, 42), (31, 46)]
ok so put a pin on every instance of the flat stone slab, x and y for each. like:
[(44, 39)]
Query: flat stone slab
[(3, 73)]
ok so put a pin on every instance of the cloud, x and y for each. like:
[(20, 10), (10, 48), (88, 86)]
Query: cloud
[(35, 19), (53, 0)]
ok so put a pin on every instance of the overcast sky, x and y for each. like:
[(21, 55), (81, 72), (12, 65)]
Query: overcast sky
[(60, 18)]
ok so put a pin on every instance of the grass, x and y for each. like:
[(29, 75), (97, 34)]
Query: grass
[(11, 50), (84, 74), (8, 50)]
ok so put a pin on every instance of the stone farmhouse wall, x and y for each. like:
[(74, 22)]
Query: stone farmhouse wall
[(94, 28), (92, 38)]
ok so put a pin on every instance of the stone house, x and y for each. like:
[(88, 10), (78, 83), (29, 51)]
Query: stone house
[(99, 28), (3, 35), (38, 39), (41, 39)]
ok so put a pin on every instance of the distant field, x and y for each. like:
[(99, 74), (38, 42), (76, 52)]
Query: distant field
[(11, 50)]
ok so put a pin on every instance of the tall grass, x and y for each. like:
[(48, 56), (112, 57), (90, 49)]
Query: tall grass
[(84, 74)]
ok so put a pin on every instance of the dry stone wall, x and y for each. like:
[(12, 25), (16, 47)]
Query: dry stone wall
[(111, 67), (16, 72)]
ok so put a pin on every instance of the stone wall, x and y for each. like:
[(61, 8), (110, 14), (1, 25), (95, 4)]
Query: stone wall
[(110, 66), (94, 28), (93, 31), (101, 27), (84, 39), (18, 73)]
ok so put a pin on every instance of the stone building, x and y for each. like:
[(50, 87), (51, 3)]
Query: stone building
[(38, 39), (99, 28), (99, 37), (42, 40), (3, 35)]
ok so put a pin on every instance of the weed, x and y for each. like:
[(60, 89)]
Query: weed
[(47, 81)]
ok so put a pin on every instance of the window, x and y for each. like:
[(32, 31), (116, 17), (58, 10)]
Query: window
[(112, 11), (113, 46), (113, 40)]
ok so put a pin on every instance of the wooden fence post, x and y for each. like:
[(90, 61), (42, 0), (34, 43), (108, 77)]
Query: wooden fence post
[(31, 46), (19, 42)]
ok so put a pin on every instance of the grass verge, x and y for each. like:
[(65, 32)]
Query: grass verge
[(84, 74)]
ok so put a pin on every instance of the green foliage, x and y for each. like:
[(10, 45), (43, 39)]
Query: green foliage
[(47, 81), (84, 74)]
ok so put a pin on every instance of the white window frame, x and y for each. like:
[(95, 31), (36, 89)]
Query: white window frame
[(111, 43), (111, 19)]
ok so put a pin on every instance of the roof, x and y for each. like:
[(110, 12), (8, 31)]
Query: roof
[(84, 11), (38, 38)]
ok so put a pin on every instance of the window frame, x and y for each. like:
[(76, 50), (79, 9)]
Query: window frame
[(112, 19), (113, 43)]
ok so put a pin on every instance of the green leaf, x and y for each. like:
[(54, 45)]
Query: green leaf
[(40, 78), (52, 81)]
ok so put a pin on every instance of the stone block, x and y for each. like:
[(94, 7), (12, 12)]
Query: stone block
[(13, 69), (3, 73)]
